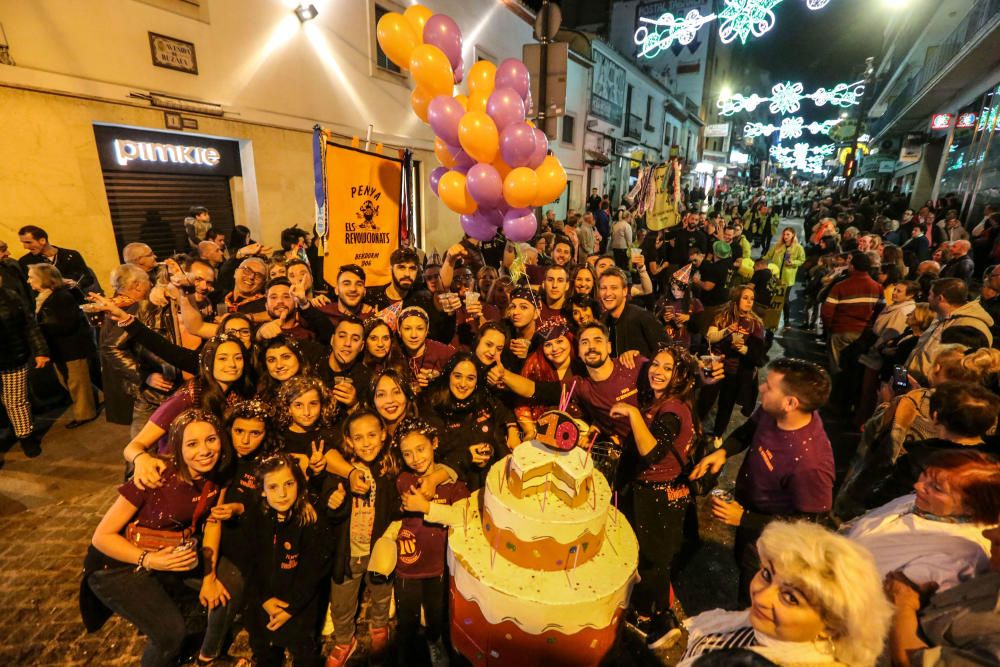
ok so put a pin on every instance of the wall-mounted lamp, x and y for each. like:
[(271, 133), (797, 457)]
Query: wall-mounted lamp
[(306, 12)]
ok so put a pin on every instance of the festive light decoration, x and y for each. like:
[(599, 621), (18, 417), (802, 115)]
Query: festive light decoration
[(803, 157), (738, 20), (682, 29), (966, 120), (790, 128), (941, 121), (787, 98)]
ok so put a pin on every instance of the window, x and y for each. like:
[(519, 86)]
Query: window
[(568, 126), (382, 60), (649, 113), (484, 55)]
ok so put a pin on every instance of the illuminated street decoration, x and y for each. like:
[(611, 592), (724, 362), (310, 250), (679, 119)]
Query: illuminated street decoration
[(966, 120), (739, 19), (803, 157), (656, 35), (790, 128), (941, 121), (787, 98)]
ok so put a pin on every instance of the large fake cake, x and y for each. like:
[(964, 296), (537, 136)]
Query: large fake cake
[(542, 565)]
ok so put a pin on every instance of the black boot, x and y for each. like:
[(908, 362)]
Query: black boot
[(31, 444), (665, 630)]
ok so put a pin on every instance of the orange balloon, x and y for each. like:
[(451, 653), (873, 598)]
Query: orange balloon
[(480, 77), (455, 195), (520, 187), (417, 16), (551, 181), (502, 167), (477, 102), (479, 136), (419, 99), (464, 101), (442, 153), (432, 70), (397, 39)]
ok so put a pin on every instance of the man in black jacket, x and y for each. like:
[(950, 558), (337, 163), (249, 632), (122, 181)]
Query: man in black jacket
[(22, 341), (69, 262), (630, 327)]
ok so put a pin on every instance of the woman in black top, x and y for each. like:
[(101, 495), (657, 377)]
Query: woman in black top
[(22, 340), (69, 338)]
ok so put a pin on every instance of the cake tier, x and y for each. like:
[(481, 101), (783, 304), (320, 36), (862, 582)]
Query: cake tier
[(484, 643), (539, 531), (537, 468), (569, 601)]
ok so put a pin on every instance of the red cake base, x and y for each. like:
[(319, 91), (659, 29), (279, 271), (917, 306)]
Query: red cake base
[(506, 644)]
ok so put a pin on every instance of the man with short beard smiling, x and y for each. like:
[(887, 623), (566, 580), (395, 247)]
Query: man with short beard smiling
[(405, 268), (630, 327), (350, 292), (342, 367)]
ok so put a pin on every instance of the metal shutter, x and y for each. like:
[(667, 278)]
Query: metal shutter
[(151, 207)]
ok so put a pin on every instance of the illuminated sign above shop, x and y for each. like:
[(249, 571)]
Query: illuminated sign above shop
[(134, 149), (147, 151), (941, 121), (966, 120)]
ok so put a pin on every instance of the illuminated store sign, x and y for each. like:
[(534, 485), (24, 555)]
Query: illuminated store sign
[(133, 149)]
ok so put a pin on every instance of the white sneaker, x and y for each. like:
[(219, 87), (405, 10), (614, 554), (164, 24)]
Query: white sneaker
[(439, 654)]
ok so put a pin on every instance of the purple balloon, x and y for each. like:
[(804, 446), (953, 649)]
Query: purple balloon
[(541, 149), (443, 114), (478, 227), (436, 175), (517, 144), (459, 73), (519, 224), (463, 159), (493, 215), (485, 185), (442, 32), (505, 107), (512, 73), (463, 169)]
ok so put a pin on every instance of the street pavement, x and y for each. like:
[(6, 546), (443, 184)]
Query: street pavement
[(49, 507)]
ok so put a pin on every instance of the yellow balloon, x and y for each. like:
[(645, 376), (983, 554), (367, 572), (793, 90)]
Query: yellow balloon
[(477, 102), (397, 38), (442, 153), (432, 70), (502, 167), (464, 101), (520, 187), (551, 181), (480, 77), (419, 99), (478, 135), (455, 195), (417, 16)]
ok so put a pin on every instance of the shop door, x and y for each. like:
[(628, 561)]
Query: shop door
[(150, 208)]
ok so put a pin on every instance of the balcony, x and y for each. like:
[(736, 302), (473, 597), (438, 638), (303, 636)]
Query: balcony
[(633, 127), (960, 61)]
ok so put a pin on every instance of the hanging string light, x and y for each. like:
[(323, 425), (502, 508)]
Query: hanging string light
[(739, 19), (787, 98), (790, 128), (803, 157)]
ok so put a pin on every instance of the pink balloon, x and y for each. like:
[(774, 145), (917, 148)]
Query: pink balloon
[(443, 114), (541, 149), (459, 74), (435, 177), (441, 31), (519, 224), (517, 144), (505, 107), (512, 73), (485, 185), (478, 226)]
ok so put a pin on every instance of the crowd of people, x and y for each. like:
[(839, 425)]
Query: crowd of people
[(289, 436)]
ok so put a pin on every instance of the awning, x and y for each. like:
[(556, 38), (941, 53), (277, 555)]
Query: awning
[(596, 157)]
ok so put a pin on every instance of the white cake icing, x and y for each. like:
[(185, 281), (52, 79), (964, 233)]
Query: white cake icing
[(535, 463), (586, 596), (533, 517)]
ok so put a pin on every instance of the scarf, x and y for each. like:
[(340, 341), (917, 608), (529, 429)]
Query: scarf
[(720, 622)]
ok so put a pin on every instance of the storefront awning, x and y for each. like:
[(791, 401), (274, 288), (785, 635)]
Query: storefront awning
[(596, 157)]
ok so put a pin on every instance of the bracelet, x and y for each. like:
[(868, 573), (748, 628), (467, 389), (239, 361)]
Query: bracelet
[(137, 456), (141, 564), (127, 321)]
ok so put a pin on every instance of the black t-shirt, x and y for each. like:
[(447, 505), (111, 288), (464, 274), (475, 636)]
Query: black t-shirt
[(684, 240), (717, 273)]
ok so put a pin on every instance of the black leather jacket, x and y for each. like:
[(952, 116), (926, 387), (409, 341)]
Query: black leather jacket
[(22, 339), (128, 364)]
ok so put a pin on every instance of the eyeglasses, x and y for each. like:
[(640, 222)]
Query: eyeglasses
[(239, 332)]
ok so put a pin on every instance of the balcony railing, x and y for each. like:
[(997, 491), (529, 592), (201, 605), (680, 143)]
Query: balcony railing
[(633, 127)]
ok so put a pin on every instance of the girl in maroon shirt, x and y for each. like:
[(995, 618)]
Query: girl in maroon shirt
[(426, 358), (381, 349), (664, 429), (280, 359)]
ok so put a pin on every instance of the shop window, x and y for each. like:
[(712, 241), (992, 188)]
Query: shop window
[(568, 126), (381, 60)]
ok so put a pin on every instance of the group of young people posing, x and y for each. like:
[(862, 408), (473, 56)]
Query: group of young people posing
[(307, 446)]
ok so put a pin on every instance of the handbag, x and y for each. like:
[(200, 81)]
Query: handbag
[(152, 539)]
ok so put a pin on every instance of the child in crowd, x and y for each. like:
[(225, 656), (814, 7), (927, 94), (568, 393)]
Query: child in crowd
[(304, 414), (358, 521), (291, 547)]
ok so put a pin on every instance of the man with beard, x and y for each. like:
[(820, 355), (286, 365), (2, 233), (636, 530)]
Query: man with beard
[(405, 268), (350, 292), (562, 252), (608, 381), (285, 316), (522, 313), (342, 372), (629, 327), (555, 297), (682, 239)]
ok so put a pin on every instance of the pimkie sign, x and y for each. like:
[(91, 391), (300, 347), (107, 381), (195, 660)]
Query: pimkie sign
[(131, 149)]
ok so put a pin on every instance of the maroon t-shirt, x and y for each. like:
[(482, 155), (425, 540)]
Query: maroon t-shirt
[(333, 311), (668, 467), (787, 472), (596, 398), (549, 315), (421, 545), (171, 505), (435, 356)]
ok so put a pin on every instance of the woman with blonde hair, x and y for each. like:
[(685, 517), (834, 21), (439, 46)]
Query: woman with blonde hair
[(817, 600), (788, 255)]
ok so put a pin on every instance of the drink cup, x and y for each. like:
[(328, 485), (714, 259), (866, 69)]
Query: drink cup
[(471, 298), (722, 494)]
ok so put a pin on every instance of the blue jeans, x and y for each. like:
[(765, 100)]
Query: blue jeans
[(221, 618)]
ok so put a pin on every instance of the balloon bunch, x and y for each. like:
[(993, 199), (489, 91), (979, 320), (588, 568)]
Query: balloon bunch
[(495, 164)]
